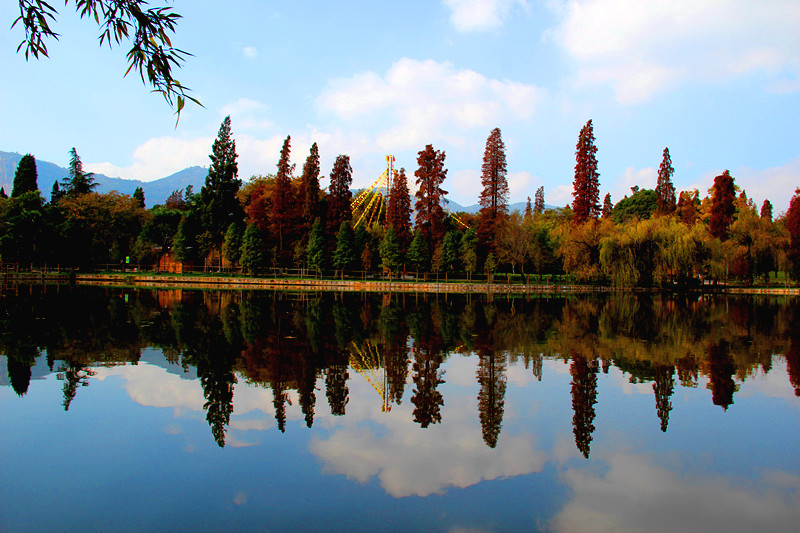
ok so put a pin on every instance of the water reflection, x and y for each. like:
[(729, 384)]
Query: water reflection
[(300, 346)]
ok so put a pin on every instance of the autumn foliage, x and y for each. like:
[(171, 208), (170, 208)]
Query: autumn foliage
[(586, 187)]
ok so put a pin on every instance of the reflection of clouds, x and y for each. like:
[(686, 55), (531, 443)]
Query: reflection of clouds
[(152, 386), (410, 461), (775, 384), (635, 495)]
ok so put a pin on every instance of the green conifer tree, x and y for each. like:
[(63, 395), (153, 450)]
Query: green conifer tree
[(344, 256), (315, 250), (389, 250), (218, 205), (253, 258), (138, 195), (417, 254), (232, 246), (450, 251), (25, 178)]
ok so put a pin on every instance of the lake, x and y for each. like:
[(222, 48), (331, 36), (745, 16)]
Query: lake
[(184, 410)]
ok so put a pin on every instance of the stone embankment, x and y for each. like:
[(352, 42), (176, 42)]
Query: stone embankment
[(311, 284)]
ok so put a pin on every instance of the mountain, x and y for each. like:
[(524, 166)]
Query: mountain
[(155, 192), (455, 207)]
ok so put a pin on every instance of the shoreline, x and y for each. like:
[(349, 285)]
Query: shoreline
[(311, 284)]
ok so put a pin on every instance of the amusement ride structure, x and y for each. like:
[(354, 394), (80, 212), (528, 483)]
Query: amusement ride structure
[(369, 206)]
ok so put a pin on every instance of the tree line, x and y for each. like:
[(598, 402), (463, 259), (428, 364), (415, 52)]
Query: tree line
[(286, 220)]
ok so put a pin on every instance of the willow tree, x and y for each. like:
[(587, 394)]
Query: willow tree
[(586, 186)]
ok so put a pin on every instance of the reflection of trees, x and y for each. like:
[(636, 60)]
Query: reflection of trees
[(721, 371), (286, 341), (208, 348), (793, 353), (426, 398), (584, 396), (336, 388), (663, 386), (73, 375), (491, 397), (394, 332)]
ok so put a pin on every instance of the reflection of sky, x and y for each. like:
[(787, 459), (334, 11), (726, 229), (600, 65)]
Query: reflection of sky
[(136, 437)]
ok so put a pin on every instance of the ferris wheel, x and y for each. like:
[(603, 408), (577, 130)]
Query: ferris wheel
[(369, 205)]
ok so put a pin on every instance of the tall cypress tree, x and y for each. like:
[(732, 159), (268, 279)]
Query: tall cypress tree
[(586, 187), (218, 204), (722, 206), (309, 185), (339, 194), (398, 210), (494, 196), (430, 214), (538, 204), (25, 178), (665, 191), (282, 200)]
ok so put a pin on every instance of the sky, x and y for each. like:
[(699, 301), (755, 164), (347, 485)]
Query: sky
[(715, 81)]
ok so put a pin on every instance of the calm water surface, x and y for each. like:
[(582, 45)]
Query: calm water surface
[(140, 410)]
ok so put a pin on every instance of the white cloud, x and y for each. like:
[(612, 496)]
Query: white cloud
[(481, 15), (636, 495), (250, 52), (644, 178), (642, 47), (777, 184), (426, 102), (159, 157), (247, 114)]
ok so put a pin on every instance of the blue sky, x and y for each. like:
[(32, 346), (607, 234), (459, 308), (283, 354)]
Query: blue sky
[(716, 81)]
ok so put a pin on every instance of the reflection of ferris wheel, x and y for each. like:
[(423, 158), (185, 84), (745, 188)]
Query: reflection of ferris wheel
[(369, 364), (369, 205)]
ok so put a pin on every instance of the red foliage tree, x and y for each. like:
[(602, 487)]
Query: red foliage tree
[(282, 197), (494, 196), (398, 210), (722, 206), (430, 176), (586, 187), (608, 207), (309, 189), (538, 204), (793, 225), (665, 191), (339, 196), (766, 210)]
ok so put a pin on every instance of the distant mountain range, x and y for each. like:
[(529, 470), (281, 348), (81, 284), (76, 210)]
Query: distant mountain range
[(155, 192)]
